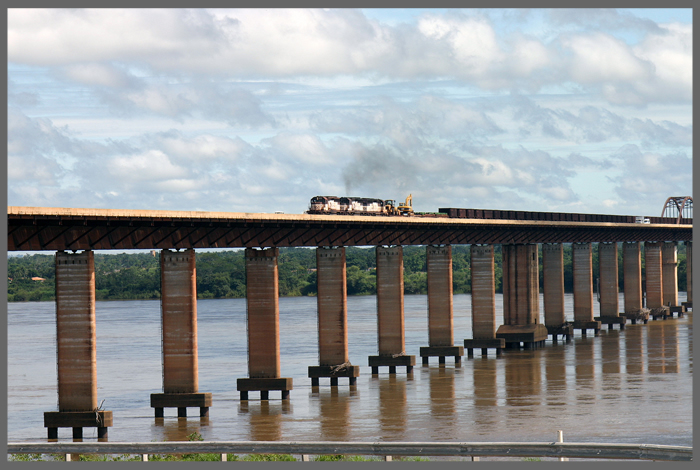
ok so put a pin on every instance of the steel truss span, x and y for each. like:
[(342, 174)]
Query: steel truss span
[(38, 229)]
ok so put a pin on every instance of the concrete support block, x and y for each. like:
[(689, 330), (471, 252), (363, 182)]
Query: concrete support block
[(333, 372), (76, 348), (582, 260), (532, 334), (181, 401), (78, 420), (391, 361), (484, 344), (654, 274), (441, 352), (178, 284), (332, 306), (669, 260), (565, 330), (75, 331), (612, 320), (262, 300), (608, 275), (553, 271), (390, 314), (584, 326), (440, 319), (639, 315), (264, 386), (483, 295), (632, 276), (520, 285)]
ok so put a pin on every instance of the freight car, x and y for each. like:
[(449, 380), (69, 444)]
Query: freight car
[(368, 206), (555, 216)]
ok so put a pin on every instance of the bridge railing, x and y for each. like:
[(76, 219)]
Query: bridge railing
[(561, 450)]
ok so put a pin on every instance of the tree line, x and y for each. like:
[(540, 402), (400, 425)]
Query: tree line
[(221, 274)]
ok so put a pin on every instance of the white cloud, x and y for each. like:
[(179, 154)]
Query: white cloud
[(277, 43), (151, 165)]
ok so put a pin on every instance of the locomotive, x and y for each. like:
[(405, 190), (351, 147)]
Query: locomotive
[(359, 206)]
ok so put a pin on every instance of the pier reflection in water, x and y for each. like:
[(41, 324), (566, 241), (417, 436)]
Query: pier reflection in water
[(632, 386)]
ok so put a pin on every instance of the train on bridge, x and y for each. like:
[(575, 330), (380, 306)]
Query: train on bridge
[(334, 205)]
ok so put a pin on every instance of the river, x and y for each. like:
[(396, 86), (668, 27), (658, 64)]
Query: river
[(629, 386)]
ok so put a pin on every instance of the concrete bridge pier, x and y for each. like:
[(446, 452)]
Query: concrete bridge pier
[(178, 305), (632, 274), (440, 313), (654, 280), (521, 307), (76, 349), (669, 259), (332, 319), (262, 301), (582, 260), (390, 317), (483, 285), (554, 314), (688, 304), (608, 275)]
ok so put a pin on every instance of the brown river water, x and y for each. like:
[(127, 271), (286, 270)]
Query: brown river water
[(631, 386)]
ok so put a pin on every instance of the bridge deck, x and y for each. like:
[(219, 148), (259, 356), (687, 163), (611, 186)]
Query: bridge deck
[(46, 228)]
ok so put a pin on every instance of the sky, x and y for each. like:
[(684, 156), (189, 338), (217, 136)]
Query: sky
[(259, 110)]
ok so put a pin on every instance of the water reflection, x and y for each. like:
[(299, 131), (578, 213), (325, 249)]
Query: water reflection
[(585, 369), (610, 357), (485, 391), (265, 418), (555, 374), (634, 353), (392, 407), (442, 395), (334, 411), (177, 429), (662, 347)]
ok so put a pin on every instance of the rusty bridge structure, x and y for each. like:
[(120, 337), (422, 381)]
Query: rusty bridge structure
[(52, 229)]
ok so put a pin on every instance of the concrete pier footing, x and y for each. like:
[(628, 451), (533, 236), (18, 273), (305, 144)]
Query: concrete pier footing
[(441, 352), (102, 420), (76, 348), (262, 301), (181, 401), (584, 326), (334, 372), (565, 330), (392, 362), (484, 344), (264, 385)]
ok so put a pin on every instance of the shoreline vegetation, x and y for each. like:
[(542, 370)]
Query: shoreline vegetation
[(221, 274)]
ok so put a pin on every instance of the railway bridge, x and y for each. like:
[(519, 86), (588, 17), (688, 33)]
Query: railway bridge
[(74, 233)]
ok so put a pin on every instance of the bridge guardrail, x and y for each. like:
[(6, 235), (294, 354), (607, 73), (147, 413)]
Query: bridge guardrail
[(456, 449)]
